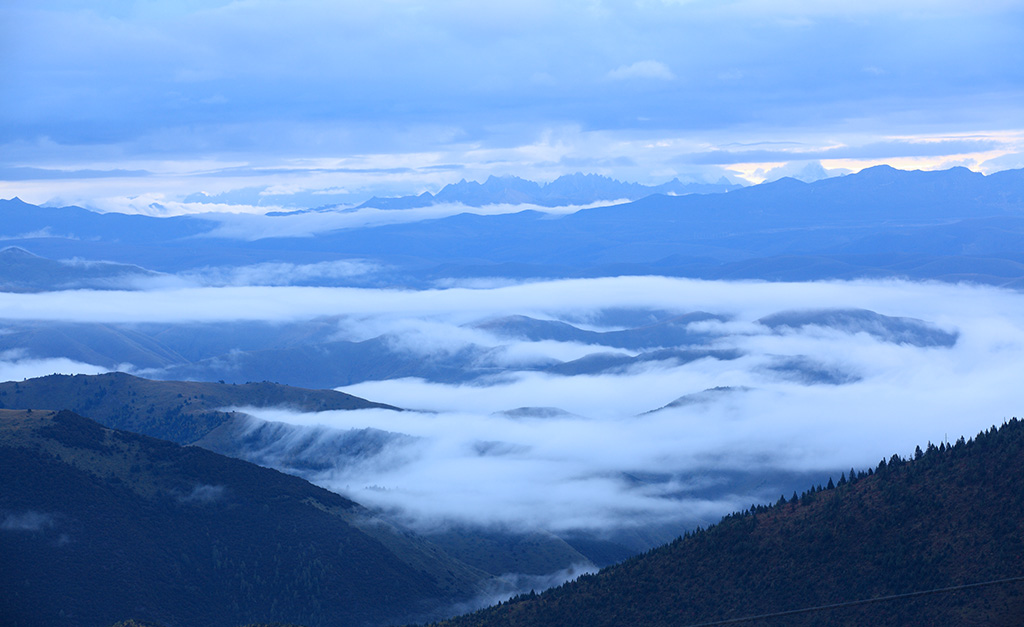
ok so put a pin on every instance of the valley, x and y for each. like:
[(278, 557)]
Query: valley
[(455, 314), (491, 432)]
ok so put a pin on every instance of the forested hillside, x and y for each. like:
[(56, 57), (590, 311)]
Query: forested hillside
[(950, 518), (105, 525)]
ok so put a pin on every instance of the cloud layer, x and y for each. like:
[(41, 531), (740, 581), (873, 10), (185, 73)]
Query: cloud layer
[(613, 459), (811, 385)]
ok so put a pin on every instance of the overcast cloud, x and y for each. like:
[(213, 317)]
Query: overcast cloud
[(350, 99)]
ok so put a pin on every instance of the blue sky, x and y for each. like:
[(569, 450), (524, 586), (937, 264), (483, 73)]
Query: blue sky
[(127, 103)]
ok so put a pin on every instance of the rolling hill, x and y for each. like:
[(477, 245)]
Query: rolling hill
[(21, 271), (180, 411)]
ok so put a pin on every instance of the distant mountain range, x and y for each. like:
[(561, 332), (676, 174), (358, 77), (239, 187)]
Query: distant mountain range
[(952, 225), (570, 189), (936, 540)]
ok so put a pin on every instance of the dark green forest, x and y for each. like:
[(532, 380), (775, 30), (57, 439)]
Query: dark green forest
[(98, 525), (105, 526), (952, 515)]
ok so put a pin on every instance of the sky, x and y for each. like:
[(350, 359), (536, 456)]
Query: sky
[(474, 463), (270, 103)]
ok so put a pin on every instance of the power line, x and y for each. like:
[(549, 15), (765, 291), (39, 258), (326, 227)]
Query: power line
[(891, 597)]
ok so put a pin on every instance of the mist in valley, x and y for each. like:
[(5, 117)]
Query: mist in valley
[(608, 406)]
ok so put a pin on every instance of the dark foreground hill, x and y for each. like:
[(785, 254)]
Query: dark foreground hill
[(951, 518), (98, 526)]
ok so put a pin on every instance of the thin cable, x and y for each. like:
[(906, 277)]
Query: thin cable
[(891, 597)]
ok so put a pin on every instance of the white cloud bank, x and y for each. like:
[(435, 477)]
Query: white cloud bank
[(307, 224), (606, 460), (563, 471), (16, 367), (940, 302)]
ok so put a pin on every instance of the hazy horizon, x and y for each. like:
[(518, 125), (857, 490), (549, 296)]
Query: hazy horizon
[(130, 105)]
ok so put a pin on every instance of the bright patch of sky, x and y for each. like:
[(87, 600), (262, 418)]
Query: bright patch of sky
[(307, 103)]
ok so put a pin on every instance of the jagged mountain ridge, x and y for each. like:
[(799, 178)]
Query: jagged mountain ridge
[(569, 189)]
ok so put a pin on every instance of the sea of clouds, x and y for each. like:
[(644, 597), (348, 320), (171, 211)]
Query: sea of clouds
[(611, 450)]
